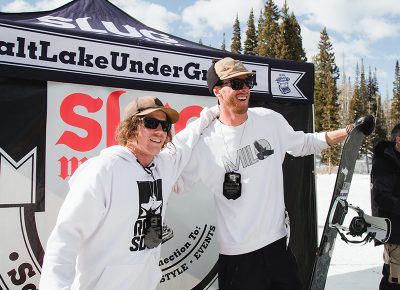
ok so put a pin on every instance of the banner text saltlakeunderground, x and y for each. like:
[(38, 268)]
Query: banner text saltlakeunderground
[(35, 49)]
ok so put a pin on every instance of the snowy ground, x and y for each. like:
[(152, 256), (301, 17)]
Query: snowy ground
[(352, 267)]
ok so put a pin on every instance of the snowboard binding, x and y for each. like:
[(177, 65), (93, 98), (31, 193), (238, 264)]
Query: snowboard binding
[(373, 227)]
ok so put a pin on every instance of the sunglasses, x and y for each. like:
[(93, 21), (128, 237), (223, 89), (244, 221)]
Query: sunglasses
[(153, 230), (151, 123), (237, 84)]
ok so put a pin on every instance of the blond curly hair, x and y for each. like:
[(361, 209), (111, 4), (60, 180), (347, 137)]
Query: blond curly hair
[(127, 130)]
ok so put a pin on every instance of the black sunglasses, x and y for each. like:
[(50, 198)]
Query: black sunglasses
[(237, 84), (151, 123)]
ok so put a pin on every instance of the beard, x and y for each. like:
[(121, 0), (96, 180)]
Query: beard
[(236, 106)]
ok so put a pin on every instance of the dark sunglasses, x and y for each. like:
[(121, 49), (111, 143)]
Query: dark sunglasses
[(237, 84), (151, 123)]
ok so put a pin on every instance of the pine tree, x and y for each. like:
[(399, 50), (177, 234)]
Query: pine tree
[(260, 25), (319, 97), (236, 44), (284, 33), (386, 106), (326, 95), (372, 109), (250, 43), (200, 41), (380, 132), (360, 106), (363, 91), (395, 107), (297, 51), (289, 44), (223, 45), (345, 92), (356, 104), (267, 37), (381, 126), (324, 69), (364, 110)]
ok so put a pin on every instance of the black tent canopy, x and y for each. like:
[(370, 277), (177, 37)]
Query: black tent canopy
[(89, 41)]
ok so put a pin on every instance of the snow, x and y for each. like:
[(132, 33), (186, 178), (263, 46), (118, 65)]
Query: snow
[(352, 267)]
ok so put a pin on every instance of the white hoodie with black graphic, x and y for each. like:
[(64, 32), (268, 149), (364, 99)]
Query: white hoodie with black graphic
[(97, 242)]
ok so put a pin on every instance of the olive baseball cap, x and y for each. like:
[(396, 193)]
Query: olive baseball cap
[(224, 69), (143, 106)]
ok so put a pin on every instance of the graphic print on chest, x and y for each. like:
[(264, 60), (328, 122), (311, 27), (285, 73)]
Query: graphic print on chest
[(249, 155), (150, 205)]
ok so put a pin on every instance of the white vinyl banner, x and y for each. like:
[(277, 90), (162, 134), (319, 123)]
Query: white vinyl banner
[(80, 122), (59, 52)]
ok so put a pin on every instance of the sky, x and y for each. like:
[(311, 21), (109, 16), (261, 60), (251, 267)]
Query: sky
[(365, 31)]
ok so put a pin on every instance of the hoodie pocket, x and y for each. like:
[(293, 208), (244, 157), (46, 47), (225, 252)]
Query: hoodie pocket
[(129, 277)]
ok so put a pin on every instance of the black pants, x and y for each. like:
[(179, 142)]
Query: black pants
[(385, 285), (270, 268)]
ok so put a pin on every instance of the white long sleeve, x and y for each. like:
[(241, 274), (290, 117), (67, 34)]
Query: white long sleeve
[(298, 143), (256, 150), (186, 140), (80, 214)]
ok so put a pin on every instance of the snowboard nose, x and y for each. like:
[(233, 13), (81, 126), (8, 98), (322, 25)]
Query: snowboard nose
[(366, 124)]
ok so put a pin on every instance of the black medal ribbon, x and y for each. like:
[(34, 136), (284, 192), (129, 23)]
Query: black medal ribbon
[(153, 223)]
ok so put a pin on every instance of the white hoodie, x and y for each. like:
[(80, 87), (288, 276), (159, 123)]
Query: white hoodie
[(97, 243)]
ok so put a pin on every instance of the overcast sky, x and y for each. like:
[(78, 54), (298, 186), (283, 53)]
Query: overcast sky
[(358, 29)]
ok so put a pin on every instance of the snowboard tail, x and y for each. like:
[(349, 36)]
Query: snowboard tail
[(363, 127)]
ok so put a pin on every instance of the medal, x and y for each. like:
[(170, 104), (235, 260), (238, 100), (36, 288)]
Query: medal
[(153, 230), (232, 188)]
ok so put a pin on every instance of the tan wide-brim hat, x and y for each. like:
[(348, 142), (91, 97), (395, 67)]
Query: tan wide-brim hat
[(143, 106)]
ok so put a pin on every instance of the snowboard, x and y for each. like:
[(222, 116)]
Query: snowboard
[(362, 127)]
